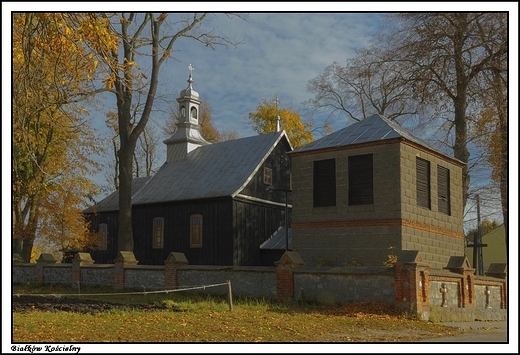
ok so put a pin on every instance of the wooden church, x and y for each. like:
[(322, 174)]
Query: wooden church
[(208, 201)]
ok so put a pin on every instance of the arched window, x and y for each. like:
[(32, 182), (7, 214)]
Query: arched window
[(196, 231), (103, 236), (158, 233), (193, 113)]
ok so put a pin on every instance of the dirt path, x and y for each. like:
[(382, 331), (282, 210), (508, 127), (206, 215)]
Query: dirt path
[(476, 332), (55, 303)]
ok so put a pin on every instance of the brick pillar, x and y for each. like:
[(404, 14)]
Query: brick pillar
[(123, 259), (411, 283), (285, 275), (171, 267), (43, 260), (79, 260), (503, 295), (468, 289)]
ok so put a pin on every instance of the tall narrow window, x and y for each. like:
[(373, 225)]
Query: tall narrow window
[(325, 183), (196, 231), (103, 236), (423, 182), (443, 190), (158, 233), (268, 176), (360, 180)]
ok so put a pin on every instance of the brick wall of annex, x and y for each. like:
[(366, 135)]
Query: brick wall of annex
[(337, 235), (437, 235), (345, 235)]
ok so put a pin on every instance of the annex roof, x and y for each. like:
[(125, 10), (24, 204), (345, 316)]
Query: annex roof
[(277, 240), (215, 170), (372, 129)]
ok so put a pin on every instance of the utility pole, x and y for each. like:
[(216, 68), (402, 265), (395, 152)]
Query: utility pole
[(478, 260), (479, 245)]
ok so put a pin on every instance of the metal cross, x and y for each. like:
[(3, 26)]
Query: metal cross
[(191, 69)]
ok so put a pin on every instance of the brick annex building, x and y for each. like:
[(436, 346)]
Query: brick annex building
[(373, 189)]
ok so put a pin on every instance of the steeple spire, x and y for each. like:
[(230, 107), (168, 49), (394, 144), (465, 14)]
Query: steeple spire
[(278, 128)]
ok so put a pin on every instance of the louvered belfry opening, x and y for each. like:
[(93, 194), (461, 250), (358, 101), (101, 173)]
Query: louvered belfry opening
[(361, 180), (423, 183), (443, 189), (325, 183)]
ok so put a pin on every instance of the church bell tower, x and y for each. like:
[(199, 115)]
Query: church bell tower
[(187, 136)]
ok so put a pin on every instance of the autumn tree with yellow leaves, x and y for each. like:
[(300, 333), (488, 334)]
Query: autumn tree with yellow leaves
[(53, 69), (265, 120)]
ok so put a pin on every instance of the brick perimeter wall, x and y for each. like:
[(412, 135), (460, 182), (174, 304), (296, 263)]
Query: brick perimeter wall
[(341, 285), (410, 286)]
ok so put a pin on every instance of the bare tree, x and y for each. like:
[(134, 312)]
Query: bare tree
[(438, 67), (444, 53), (146, 40), (367, 84), (492, 124)]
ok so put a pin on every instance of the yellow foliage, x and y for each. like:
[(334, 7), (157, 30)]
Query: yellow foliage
[(51, 65), (264, 121), (392, 258)]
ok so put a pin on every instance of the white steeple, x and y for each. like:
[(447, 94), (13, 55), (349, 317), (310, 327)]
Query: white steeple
[(278, 128), (187, 137)]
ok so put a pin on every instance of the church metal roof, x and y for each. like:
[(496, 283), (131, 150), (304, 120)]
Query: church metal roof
[(215, 170)]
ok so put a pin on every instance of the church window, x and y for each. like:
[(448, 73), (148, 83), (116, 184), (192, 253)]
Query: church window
[(103, 234), (196, 231), (193, 112), (158, 233), (268, 176)]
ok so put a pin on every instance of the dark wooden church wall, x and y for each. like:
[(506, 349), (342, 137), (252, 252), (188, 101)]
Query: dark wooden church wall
[(254, 223), (110, 218), (281, 166), (216, 232)]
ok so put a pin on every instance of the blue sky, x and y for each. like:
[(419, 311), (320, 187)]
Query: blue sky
[(280, 54)]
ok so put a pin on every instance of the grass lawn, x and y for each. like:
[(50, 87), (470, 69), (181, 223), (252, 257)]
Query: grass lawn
[(190, 318)]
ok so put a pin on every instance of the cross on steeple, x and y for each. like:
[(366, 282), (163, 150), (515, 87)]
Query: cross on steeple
[(191, 69)]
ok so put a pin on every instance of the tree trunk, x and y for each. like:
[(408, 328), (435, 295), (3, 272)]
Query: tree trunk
[(27, 249), (125, 237), (460, 149)]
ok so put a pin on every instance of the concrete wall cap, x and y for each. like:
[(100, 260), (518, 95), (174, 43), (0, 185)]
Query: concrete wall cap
[(177, 258), (46, 258)]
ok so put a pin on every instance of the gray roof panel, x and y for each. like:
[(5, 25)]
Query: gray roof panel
[(214, 170), (111, 202)]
